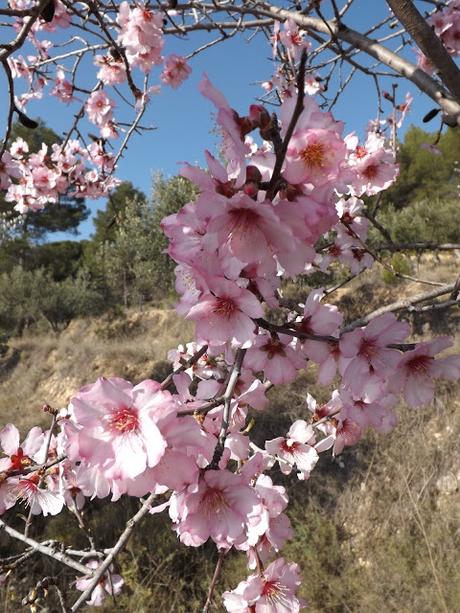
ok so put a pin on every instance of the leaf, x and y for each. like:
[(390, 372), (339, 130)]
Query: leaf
[(27, 122), (430, 115), (47, 12)]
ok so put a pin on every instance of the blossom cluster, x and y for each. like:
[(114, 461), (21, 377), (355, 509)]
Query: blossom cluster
[(33, 180), (235, 243), (135, 42), (287, 199), (446, 24)]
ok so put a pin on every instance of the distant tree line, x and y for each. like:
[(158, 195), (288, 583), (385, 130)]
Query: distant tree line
[(124, 262)]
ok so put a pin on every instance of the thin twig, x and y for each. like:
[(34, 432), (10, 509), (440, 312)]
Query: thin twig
[(215, 577), (47, 551), (272, 186), (184, 366), (119, 546), (227, 398)]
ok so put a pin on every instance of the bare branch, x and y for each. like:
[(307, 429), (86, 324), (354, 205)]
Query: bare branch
[(47, 551), (119, 546), (400, 305), (187, 364), (227, 398), (215, 577), (429, 43)]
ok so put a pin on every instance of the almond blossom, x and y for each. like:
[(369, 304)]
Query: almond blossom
[(141, 35), (40, 499), (296, 449), (112, 70), (223, 508), (116, 425), (373, 163), (19, 456), (275, 357), (415, 372), (371, 356), (99, 109), (175, 71), (226, 314), (273, 591), (109, 584)]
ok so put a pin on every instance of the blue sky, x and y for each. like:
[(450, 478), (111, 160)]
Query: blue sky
[(183, 119)]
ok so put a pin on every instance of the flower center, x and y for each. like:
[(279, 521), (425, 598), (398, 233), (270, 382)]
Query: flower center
[(371, 171), (273, 347), (367, 348), (419, 364), (124, 420), (20, 460), (276, 593), (225, 307), (314, 155), (243, 219), (289, 446), (334, 250), (270, 588), (213, 501)]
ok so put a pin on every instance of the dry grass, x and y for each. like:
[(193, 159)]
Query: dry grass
[(47, 368)]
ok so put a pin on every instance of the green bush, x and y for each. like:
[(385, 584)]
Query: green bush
[(436, 220), (400, 264), (26, 296)]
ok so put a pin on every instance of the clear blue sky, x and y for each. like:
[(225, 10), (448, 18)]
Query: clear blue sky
[(183, 119)]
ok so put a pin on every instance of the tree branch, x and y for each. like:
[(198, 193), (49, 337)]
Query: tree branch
[(429, 43), (47, 551), (227, 398), (119, 546)]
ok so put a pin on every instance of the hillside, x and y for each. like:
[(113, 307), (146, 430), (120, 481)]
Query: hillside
[(376, 530)]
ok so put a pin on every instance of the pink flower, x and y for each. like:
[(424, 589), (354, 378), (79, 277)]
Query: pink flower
[(141, 35), (63, 88), (7, 498), (274, 591), (226, 314), (176, 70), (404, 109), (112, 71), (109, 583), (9, 168), (295, 450), (415, 372), (319, 318), (348, 433), (252, 230), (279, 530), (374, 165), (314, 156), (19, 148), (99, 107), (37, 497), (117, 425), (323, 320), (377, 414), (371, 356), (223, 508), (292, 38), (19, 456), (275, 357), (233, 129)]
